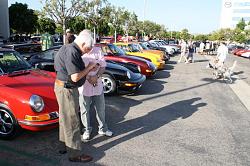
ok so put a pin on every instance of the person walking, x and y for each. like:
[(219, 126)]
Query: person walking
[(183, 51), (92, 93), (191, 48), (70, 74), (222, 53)]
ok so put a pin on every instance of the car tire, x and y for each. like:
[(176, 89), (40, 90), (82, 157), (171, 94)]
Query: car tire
[(109, 84), (9, 127)]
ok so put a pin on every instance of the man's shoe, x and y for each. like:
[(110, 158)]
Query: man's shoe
[(86, 135), (83, 158), (106, 133)]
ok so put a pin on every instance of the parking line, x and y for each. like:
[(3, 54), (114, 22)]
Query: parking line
[(242, 90)]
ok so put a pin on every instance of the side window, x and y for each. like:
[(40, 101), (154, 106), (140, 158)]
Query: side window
[(47, 55)]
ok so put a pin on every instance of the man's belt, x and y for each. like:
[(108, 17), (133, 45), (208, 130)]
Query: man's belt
[(65, 84)]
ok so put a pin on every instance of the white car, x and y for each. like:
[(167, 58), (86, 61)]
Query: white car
[(169, 49), (246, 54)]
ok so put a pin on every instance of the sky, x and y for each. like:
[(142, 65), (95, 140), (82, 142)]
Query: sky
[(198, 16)]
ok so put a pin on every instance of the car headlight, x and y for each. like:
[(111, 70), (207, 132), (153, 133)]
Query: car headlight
[(128, 75), (36, 103)]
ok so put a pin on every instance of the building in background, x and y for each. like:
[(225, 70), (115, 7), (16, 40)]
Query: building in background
[(4, 20), (233, 11)]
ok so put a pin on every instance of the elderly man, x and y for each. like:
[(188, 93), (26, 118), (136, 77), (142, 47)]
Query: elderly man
[(70, 74)]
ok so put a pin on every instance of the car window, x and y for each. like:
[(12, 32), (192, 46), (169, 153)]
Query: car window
[(134, 48), (11, 61), (50, 54), (116, 50)]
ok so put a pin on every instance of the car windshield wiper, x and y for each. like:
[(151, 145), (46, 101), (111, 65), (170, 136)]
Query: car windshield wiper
[(20, 69)]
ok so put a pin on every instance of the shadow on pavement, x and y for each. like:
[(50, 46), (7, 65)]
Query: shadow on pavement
[(144, 124)]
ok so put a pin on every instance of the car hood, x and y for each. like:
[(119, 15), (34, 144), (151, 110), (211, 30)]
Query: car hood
[(34, 82), (136, 58)]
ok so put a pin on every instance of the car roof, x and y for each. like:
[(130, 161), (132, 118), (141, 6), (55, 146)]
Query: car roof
[(6, 50)]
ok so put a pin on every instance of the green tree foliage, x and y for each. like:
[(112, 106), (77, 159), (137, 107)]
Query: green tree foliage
[(241, 25), (185, 34), (22, 19), (201, 37), (46, 25), (76, 24), (62, 10)]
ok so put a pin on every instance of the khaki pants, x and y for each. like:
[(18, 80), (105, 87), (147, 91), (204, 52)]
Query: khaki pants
[(69, 121)]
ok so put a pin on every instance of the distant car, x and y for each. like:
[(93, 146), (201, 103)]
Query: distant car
[(131, 49), (116, 77), (246, 55), (113, 53), (27, 98)]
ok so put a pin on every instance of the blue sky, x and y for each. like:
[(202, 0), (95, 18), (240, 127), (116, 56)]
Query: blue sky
[(198, 16)]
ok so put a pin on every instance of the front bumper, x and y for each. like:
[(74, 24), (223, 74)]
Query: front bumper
[(46, 121), (161, 65), (131, 85)]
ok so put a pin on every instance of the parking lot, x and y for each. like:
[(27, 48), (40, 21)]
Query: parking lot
[(180, 116)]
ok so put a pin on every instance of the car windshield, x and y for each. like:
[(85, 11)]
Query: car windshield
[(134, 48), (116, 50), (154, 44), (144, 46), (12, 62), (48, 55)]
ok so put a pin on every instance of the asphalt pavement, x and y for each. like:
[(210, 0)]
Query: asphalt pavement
[(179, 117)]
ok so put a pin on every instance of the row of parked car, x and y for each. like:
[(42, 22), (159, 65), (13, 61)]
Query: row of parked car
[(27, 98), (240, 51)]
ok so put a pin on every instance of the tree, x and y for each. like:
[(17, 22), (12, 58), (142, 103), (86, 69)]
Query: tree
[(62, 10), (241, 24), (93, 13), (46, 25), (184, 34), (22, 19), (76, 24), (201, 37)]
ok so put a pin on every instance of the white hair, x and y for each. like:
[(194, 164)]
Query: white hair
[(85, 37)]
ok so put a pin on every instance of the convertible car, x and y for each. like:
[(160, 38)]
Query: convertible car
[(27, 98), (116, 76)]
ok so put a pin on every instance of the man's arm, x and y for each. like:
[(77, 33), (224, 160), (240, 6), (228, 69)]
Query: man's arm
[(77, 76)]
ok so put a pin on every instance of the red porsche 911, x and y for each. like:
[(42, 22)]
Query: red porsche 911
[(27, 98)]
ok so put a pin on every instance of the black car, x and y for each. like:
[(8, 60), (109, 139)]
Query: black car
[(116, 77)]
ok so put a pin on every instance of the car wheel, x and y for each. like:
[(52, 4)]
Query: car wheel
[(8, 124), (109, 84)]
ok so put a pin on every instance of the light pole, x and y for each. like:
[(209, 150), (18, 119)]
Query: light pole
[(144, 13)]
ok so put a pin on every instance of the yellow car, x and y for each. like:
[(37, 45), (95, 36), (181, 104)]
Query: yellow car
[(131, 49)]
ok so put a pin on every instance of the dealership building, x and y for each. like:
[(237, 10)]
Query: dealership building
[(233, 11), (4, 20)]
